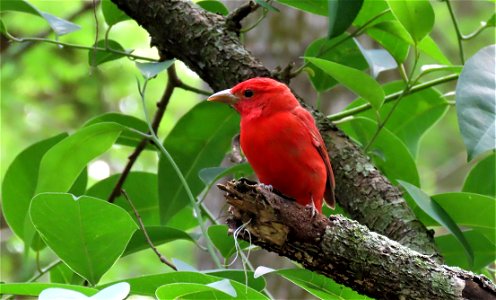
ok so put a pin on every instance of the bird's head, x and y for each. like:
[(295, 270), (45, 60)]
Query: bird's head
[(257, 96)]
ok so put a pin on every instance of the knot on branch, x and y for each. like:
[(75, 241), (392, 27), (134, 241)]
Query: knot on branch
[(233, 20)]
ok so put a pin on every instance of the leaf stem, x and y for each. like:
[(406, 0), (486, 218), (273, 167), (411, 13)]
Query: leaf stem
[(459, 35), (393, 97), (196, 207)]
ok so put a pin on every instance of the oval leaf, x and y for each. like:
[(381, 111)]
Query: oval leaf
[(416, 16), (482, 178), (476, 102), (357, 81), (158, 234), (97, 57), (87, 233), (436, 212), (387, 152), (199, 140), (341, 15), (63, 163)]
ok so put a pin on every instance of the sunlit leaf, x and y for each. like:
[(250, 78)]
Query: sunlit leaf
[(112, 13), (87, 233), (416, 16)]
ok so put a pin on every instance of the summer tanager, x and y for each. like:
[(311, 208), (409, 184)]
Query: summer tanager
[(281, 141)]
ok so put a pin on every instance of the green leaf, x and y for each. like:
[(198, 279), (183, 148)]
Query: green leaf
[(213, 6), (19, 184), (219, 290), (476, 102), (240, 276), (413, 116), (127, 137), (211, 175), (454, 254), (223, 241), (63, 163), (341, 15), (468, 210), (142, 190), (387, 152), (3, 28), (150, 70), (429, 47), (112, 14), (379, 60), (35, 288), (370, 9), (342, 50), (386, 34), (158, 234), (199, 140), (318, 285), (317, 7), (87, 233), (58, 25), (416, 16), (357, 81), (147, 285), (97, 57), (427, 69), (63, 274), (436, 212), (491, 22), (482, 178)]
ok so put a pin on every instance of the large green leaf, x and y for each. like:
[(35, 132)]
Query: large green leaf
[(454, 254), (147, 285), (318, 285), (386, 34), (317, 7), (215, 290), (482, 177), (341, 15), (468, 210), (87, 233), (430, 47), (19, 184), (58, 25), (62, 164), (213, 6), (127, 137), (436, 212), (112, 14), (412, 117), (158, 235), (142, 190), (357, 81), (416, 16), (341, 50), (199, 140), (388, 152), (476, 102), (35, 288)]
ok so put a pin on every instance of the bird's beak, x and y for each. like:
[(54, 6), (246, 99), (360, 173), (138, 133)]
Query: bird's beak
[(224, 96)]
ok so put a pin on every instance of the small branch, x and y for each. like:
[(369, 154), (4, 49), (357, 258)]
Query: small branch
[(233, 20), (393, 97), (346, 251), (142, 227), (172, 82), (459, 35)]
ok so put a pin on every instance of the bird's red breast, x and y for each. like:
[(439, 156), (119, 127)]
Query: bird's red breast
[(281, 141)]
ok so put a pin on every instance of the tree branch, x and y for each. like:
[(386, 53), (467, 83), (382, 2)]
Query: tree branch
[(346, 251)]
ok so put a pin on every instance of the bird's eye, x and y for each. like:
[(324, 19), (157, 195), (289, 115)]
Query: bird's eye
[(248, 93)]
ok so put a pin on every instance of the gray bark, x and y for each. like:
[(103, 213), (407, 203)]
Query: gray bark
[(346, 251)]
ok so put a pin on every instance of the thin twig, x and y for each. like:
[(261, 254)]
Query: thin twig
[(393, 97), (233, 20), (96, 34), (172, 82), (145, 233), (459, 35)]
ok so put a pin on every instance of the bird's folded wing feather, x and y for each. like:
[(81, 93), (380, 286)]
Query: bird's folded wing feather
[(307, 119)]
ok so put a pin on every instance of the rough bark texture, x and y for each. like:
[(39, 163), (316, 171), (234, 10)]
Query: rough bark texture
[(346, 251), (208, 45)]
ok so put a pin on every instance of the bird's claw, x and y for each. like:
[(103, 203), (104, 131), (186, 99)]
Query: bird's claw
[(267, 187)]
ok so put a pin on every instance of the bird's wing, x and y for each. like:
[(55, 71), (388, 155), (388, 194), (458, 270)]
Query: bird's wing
[(307, 119)]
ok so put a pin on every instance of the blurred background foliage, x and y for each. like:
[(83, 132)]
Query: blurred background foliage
[(47, 89)]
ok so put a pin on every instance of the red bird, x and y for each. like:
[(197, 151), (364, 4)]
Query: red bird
[(281, 141)]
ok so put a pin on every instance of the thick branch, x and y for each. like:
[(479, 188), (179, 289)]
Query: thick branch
[(346, 251), (203, 41)]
